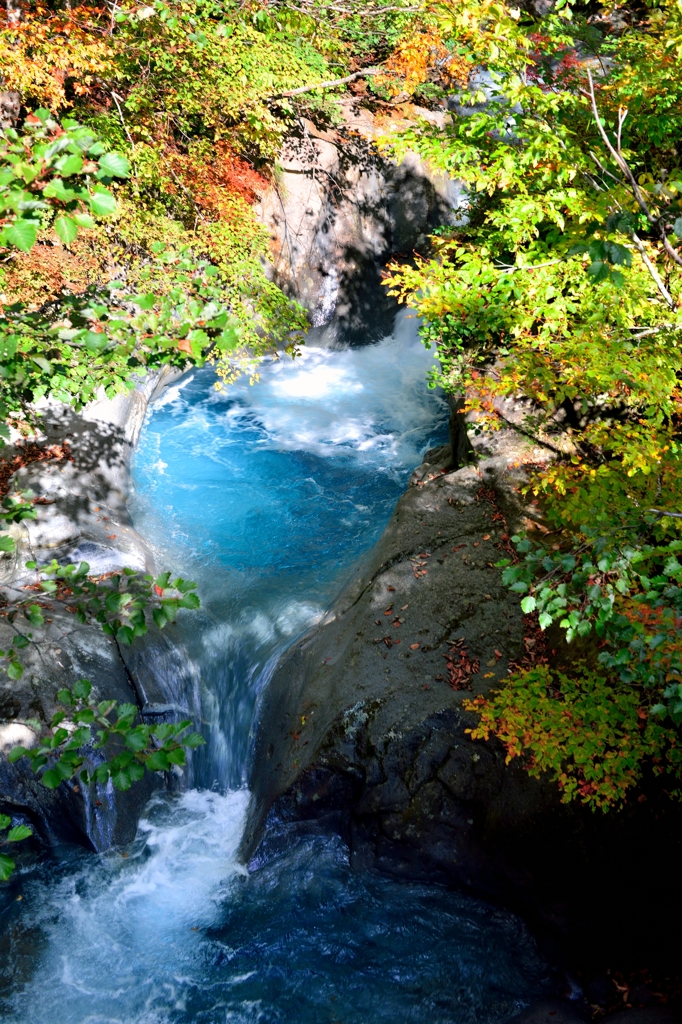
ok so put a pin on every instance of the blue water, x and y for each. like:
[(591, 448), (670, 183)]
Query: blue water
[(267, 496)]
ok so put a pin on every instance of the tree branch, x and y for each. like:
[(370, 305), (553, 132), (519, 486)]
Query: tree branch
[(325, 85), (616, 153), (349, 10), (653, 272)]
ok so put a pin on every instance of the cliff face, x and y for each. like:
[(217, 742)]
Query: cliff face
[(340, 211)]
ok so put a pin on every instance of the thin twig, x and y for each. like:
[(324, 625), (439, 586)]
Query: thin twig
[(662, 512), (117, 100), (360, 14)]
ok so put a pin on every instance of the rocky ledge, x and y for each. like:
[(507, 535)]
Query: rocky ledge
[(362, 730)]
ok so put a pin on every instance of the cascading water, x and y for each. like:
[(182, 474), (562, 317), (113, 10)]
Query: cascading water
[(265, 495)]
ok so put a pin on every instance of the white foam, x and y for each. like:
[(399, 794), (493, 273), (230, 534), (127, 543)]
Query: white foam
[(361, 400), (112, 927)]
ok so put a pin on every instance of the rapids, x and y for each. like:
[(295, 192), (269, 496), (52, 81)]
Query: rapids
[(267, 496)]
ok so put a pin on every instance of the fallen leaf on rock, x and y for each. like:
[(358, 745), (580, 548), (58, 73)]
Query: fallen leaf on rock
[(498, 654), (396, 641), (414, 647), (426, 686), (486, 536), (439, 679), (389, 611), (460, 666), (475, 543), (404, 607), (459, 547), (489, 675), (390, 588)]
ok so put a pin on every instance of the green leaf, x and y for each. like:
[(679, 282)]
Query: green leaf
[(22, 234), (113, 165), (94, 341), (7, 543), (7, 866), (599, 271), (5, 821), (51, 778), (157, 762), (194, 739), (15, 669), (84, 220), (70, 164), (160, 619), (123, 778), (528, 605), (125, 635), (177, 756), (19, 832), (136, 740), (102, 202), (82, 689), (66, 229)]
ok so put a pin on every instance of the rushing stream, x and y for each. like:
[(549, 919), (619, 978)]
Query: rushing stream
[(266, 495)]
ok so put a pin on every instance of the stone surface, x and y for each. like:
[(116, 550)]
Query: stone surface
[(368, 738), (84, 516), (340, 211)]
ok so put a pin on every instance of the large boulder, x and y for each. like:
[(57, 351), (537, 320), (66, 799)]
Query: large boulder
[(359, 731)]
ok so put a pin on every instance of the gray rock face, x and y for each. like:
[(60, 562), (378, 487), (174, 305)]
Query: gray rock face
[(340, 211), (84, 516), (359, 732)]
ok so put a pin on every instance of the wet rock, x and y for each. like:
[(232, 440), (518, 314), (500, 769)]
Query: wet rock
[(83, 515)]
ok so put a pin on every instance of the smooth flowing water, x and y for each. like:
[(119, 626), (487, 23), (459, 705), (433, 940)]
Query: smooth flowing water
[(265, 495)]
